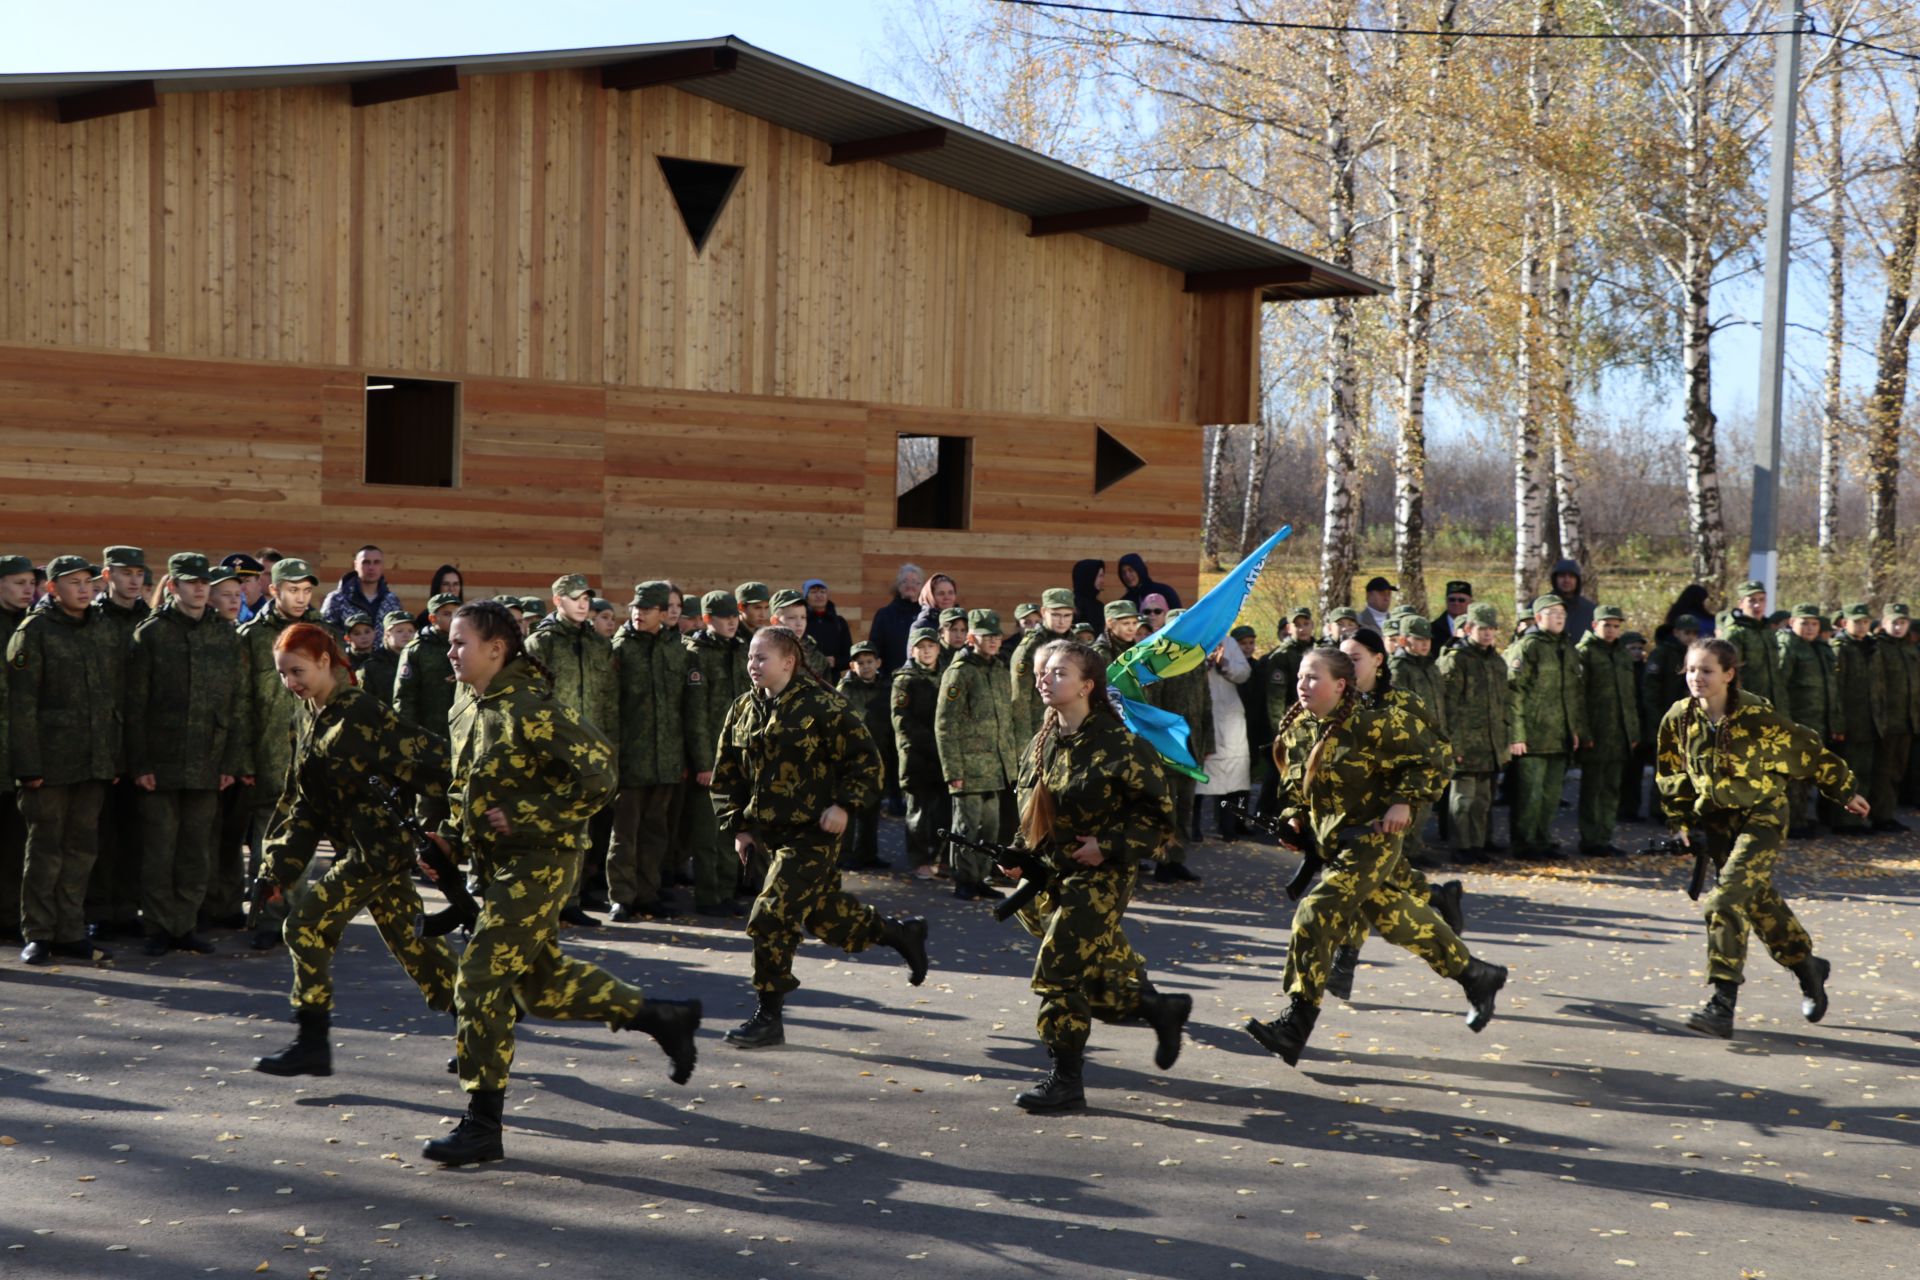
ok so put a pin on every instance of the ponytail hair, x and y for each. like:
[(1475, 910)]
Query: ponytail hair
[(795, 649), (1036, 818), (1340, 667), (317, 645), (1726, 656), (494, 621)]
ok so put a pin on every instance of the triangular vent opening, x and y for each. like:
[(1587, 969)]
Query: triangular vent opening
[(1112, 461), (700, 190)]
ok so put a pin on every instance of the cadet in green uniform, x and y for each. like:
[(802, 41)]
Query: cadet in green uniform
[(1283, 663), (184, 746), (1094, 800), (1341, 623), (1187, 696), (793, 762), (268, 718), (362, 638), (979, 754), (755, 600), (1809, 696), (585, 678), (1633, 767), (1415, 672), (1745, 627), (870, 699), (1122, 618), (1477, 709), (382, 666), (424, 687), (1344, 765), (1858, 677), (1056, 623), (528, 772), (1613, 728), (915, 703), (953, 636), (113, 887), (790, 611), (64, 736), (1724, 758), (716, 676), (1547, 715), (652, 665), (16, 593), (349, 748), (1898, 714)]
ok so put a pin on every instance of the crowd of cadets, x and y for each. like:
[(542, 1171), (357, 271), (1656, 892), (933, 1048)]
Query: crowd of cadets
[(148, 734)]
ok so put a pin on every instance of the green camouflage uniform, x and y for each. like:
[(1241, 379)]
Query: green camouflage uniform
[(1666, 683), (1283, 676), (782, 762), (1477, 708), (1107, 784), (869, 700), (586, 677), (343, 754), (268, 715), (1027, 707), (1418, 717), (1896, 719), (1187, 696), (182, 725), (1727, 786), (1547, 710), (1810, 696), (424, 689), (1759, 655), (518, 748), (113, 886), (916, 699), (377, 673), (1860, 679), (716, 676), (653, 760), (1376, 758), (1613, 727), (974, 730), (64, 729)]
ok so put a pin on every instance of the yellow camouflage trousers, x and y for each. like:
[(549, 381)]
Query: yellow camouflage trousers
[(318, 919), (1371, 883), (1745, 846), (514, 958), (1086, 968), (802, 894), (1357, 932)]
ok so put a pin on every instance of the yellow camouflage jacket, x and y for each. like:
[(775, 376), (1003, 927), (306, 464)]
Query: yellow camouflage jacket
[(1381, 756), (1106, 783), (783, 760), (330, 789), (518, 748), (1743, 763)]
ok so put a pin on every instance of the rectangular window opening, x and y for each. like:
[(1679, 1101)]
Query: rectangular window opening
[(933, 482), (413, 432)]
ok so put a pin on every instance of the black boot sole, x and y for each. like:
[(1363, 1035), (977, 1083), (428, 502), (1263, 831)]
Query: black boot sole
[(1708, 1027), (739, 1041), (1267, 1033), (268, 1067), (1481, 1015), (455, 1159), (1029, 1103), (1168, 1030), (1819, 1002)]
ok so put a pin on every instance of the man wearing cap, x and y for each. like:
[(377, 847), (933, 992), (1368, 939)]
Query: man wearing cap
[(1026, 615), (113, 891), (826, 628), (1547, 715), (1122, 619), (184, 746), (974, 732), (1613, 723), (1477, 728), (251, 575), (1379, 603), (605, 621), (1745, 628), (915, 702), (267, 719), (1187, 696), (755, 600), (424, 689), (1459, 599), (1809, 695), (652, 667), (716, 677), (1282, 663), (1898, 717), (1056, 623), (16, 593), (789, 611), (64, 742), (953, 635), (585, 677), (381, 667), (1859, 679), (870, 697), (1340, 624), (353, 596)]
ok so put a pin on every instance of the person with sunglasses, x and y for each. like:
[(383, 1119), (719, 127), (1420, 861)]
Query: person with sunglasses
[(1451, 625)]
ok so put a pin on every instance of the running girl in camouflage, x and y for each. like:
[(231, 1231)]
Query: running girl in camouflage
[(1722, 765), (1094, 797), (528, 772)]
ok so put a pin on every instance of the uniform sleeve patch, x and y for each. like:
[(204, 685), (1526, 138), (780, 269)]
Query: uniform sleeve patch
[(693, 675)]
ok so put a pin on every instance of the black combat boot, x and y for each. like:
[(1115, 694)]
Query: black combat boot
[(1482, 982), (1167, 1015), (1446, 901), (1062, 1089), (1346, 960), (477, 1137), (908, 936), (310, 1054), (1715, 1017), (1287, 1036), (671, 1023), (764, 1029), (1812, 973)]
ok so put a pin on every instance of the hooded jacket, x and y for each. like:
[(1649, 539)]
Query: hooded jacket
[(1086, 597), (1579, 608), (1147, 586)]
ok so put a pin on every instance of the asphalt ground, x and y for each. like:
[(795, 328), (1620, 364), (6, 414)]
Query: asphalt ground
[(1583, 1134)]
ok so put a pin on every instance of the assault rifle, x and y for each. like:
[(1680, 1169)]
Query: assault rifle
[(1035, 871), (461, 911), (1702, 859), (1302, 842)]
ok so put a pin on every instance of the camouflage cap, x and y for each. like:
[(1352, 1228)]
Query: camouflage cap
[(983, 622), (786, 598), (512, 602), (396, 618), (918, 634), (291, 570), (950, 616), (1751, 587), (188, 566), (220, 573), (1343, 615), (1808, 611), (1779, 615), (1415, 627), (1858, 609), (1025, 609), (1056, 598), (532, 605), (1483, 615), (123, 558), (1687, 622), (753, 593), (1401, 611), (1897, 609), (602, 605), (438, 602), (1121, 609), (358, 620), (61, 566), (1543, 603), (571, 586), (1609, 613), (1080, 627), (1303, 611), (652, 594), (719, 604), (865, 649), (10, 565), (1243, 632)]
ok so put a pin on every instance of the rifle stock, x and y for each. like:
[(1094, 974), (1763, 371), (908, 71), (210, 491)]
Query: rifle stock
[(1702, 860), (1035, 871), (1303, 842), (461, 911)]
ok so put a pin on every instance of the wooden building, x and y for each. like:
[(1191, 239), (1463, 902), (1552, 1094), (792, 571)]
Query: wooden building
[(667, 310)]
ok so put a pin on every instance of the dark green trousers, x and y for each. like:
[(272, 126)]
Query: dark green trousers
[(637, 857), (1889, 772), (1536, 797), (177, 833), (1599, 797), (1861, 751), (63, 828), (976, 815)]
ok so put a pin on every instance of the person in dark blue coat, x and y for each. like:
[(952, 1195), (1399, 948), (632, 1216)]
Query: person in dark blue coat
[(1089, 576), (894, 619)]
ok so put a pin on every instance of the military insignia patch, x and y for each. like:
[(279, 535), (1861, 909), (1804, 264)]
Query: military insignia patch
[(20, 660), (693, 675)]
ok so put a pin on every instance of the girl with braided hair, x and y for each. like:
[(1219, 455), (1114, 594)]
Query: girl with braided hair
[(1350, 774), (793, 762), (1095, 799)]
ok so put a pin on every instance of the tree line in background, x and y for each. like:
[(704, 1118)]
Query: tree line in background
[(1560, 222)]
